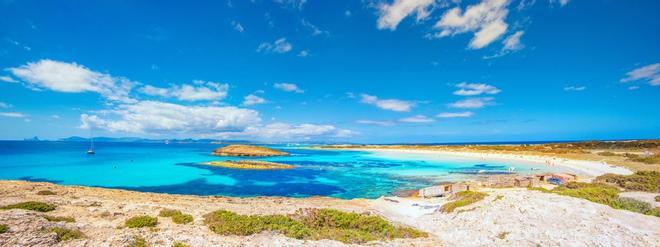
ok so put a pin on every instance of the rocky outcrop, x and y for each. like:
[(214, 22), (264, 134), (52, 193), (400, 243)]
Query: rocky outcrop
[(250, 165), (247, 150)]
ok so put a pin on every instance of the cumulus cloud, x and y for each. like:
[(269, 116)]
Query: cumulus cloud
[(473, 102), (303, 53), (376, 122), (237, 26), (279, 46), (472, 89), (649, 73), (455, 114), (7, 79), (5, 105), (252, 99), (73, 78), (416, 119), (390, 15), (13, 114), (279, 131), (288, 87), (485, 19), (387, 104), (199, 90), (575, 88), (561, 3), (154, 117)]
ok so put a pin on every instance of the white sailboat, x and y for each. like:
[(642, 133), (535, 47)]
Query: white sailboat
[(91, 143)]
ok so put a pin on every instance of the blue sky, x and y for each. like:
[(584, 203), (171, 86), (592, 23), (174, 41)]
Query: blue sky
[(358, 71)]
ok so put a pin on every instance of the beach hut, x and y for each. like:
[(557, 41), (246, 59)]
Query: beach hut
[(443, 190)]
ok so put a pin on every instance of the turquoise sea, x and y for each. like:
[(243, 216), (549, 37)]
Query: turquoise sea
[(175, 168)]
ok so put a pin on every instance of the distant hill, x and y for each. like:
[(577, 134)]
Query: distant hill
[(143, 140)]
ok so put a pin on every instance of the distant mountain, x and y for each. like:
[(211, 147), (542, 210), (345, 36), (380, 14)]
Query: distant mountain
[(143, 140), (33, 139)]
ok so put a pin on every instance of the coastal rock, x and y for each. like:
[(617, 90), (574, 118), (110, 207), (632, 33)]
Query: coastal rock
[(247, 150)]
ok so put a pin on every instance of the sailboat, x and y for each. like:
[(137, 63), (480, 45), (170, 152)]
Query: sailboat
[(90, 151)]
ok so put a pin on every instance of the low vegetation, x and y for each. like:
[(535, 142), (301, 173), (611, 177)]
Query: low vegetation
[(65, 234), (646, 159), (3, 228), (639, 181), (179, 244), (141, 221), (59, 218), (312, 224), (177, 216), (604, 194), (138, 241), (46, 193), (31, 205), (462, 199), (606, 153)]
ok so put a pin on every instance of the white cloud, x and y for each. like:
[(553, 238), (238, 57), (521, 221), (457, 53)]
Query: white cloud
[(13, 114), (298, 4), (561, 3), (280, 131), (73, 78), (471, 89), (390, 15), (472, 102), (7, 79), (387, 104), (455, 114), (486, 19), (252, 99), (303, 53), (575, 88), (279, 46), (315, 30), (154, 117), (288, 87), (512, 43), (416, 119), (237, 26), (649, 73), (5, 105), (200, 90), (375, 122)]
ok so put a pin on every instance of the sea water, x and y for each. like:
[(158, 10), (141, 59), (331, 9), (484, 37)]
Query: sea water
[(177, 168)]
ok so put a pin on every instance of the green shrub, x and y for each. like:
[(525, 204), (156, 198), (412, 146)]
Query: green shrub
[(182, 218), (46, 193), (463, 198), (657, 198), (3, 228), (639, 181), (168, 212), (605, 194), (59, 218), (498, 197), (141, 221), (31, 205), (64, 234), (138, 241), (179, 244), (311, 224)]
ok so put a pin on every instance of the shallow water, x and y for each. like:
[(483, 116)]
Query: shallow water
[(176, 168)]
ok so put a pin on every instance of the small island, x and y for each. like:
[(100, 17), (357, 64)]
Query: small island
[(247, 150), (250, 165)]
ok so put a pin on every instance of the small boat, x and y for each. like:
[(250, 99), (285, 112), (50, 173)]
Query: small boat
[(90, 151)]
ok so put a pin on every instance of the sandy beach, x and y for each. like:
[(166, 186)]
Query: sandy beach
[(586, 169), (519, 217)]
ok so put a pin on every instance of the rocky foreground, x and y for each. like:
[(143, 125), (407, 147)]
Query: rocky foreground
[(505, 217)]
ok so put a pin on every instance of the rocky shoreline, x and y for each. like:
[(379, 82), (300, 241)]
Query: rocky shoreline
[(504, 217)]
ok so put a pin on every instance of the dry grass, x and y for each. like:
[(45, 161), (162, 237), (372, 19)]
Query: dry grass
[(462, 199)]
